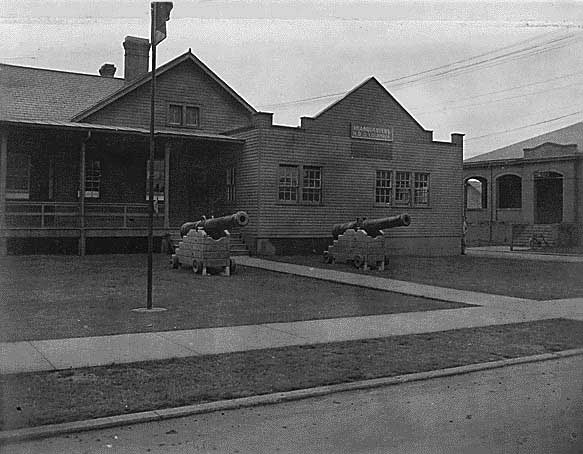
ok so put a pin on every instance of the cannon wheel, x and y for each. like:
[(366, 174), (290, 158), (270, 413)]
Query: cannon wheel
[(232, 266), (196, 266), (358, 260), (175, 262), (328, 258)]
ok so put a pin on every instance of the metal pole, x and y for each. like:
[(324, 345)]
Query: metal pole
[(151, 163)]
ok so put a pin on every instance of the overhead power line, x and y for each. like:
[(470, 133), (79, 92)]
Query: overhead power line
[(523, 127), (494, 101), (430, 75)]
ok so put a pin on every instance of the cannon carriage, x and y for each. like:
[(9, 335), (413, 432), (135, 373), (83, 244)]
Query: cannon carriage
[(205, 244), (361, 242)]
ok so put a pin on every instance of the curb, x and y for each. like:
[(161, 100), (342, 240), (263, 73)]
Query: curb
[(265, 399)]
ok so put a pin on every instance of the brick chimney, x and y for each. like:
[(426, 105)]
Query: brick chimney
[(137, 57), (107, 70)]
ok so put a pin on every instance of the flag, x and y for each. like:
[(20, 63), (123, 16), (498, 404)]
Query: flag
[(160, 14)]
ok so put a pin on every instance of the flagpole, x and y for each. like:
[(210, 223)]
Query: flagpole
[(151, 163)]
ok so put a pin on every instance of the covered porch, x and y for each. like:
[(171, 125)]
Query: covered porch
[(84, 182)]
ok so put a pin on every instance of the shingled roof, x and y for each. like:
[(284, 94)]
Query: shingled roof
[(569, 135), (43, 94)]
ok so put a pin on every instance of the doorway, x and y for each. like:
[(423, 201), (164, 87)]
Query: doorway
[(548, 197)]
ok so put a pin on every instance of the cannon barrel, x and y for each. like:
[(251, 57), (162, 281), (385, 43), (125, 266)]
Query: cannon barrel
[(216, 226), (372, 227)]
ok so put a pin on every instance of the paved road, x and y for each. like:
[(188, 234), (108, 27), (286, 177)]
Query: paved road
[(530, 408)]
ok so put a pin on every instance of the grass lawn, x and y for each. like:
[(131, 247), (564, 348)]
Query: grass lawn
[(520, 278), (78, 394), (49, 297)]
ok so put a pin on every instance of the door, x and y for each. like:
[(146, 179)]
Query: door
[(548, 198)]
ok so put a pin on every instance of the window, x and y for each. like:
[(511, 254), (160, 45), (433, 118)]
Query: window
[(402, 188), (312, 184), (476, 193), (158, 179), (231, 194), (421, 189), (51, 178), (290, 190), (92, 178), (175, 114), (509, 191), (182, 115), (383, 187), (288, 183), (18, 176), (191, 117)]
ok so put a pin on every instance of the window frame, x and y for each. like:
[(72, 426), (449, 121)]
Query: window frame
[(426, 203), (292, 189), (95, 181), (159, 196), (388, 190), (183, 115), (308, 189), (231, 184), (303, 186), (405, 190), (16, 193)]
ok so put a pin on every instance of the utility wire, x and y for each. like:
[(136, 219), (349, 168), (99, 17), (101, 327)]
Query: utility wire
[(523, 127), (466, 106), (520, 53), (516, 87)]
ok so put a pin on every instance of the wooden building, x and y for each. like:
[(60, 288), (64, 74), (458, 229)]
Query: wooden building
[(74, 154), (528, 193)]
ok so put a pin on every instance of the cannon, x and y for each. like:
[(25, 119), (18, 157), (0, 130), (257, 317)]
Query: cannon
[(206, 244), (372, 227), (361, 242), (216, 227)]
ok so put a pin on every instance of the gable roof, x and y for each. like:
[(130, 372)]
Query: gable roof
[(44, 94), (569, 135), (370, 80), (146, 78)]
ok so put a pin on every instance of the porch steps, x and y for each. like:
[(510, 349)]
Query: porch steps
[(237, 245), (535, 235)]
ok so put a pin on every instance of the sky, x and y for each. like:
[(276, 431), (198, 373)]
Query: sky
[(496, 72)]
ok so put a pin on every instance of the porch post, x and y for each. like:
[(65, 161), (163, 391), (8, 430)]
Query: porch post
[(167, 186), (3, 172), (82, 238)]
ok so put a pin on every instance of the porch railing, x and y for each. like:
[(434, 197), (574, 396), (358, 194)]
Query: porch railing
[(67, 215)]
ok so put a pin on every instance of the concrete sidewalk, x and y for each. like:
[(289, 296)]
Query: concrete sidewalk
[(522, 254), (58, 354)]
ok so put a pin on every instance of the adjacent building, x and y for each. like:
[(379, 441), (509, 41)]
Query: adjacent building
[(74, 159), (528, 193)]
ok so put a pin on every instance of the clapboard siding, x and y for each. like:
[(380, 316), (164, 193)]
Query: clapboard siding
[(348, 184), (370, 104), (247, 181), (184, 84)]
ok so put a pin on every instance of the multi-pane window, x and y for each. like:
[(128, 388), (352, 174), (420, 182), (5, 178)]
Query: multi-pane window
[(18, 176), (383, 187), (231, 193), (402, 188), (288, 183), (312, 184), (182, 115), (292, 189), (175, 114), (158, 179), (92, 178), (421, 189), (191, 117)]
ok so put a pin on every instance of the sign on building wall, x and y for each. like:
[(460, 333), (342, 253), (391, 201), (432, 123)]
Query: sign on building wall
[(384, 134)]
